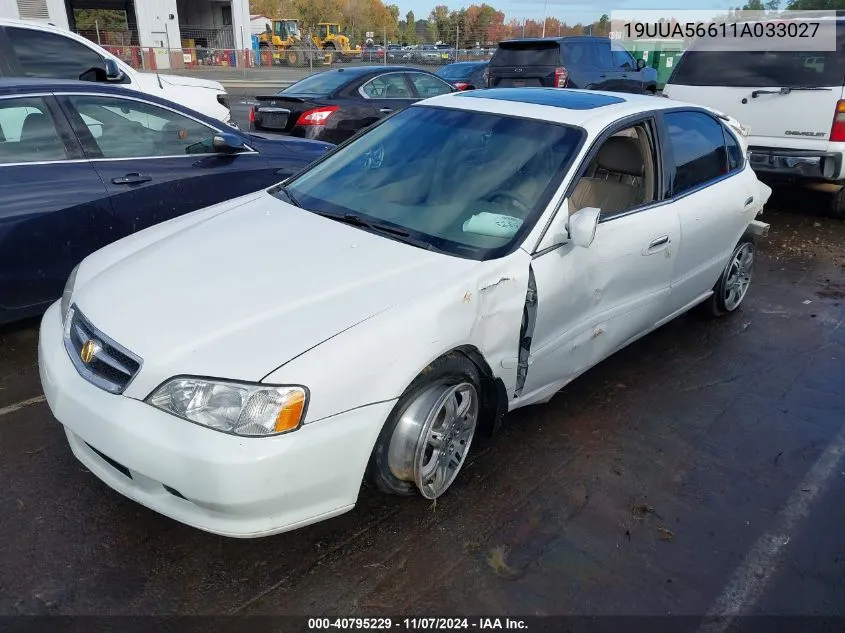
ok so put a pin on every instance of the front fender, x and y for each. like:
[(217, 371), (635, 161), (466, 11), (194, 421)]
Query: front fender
[(376, 360)]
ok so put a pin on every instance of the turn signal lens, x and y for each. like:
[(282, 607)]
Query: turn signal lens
[(291, 413)]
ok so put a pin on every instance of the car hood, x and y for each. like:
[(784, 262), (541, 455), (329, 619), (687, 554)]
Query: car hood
[(245, 290), (190, 82)]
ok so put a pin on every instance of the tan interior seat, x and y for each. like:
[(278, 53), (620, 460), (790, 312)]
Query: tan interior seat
[(618, 155)]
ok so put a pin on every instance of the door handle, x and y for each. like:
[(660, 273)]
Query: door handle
[(660, 241), (749, 201), (386, 110), (131, 179)]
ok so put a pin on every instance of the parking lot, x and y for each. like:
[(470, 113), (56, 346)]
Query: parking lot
[(701, 468)]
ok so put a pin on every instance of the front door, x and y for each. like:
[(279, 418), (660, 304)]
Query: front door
[(157, 163), (592, 301)]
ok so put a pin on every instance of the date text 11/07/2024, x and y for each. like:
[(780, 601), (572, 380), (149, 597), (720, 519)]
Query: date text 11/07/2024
[(416, 624), (677, 30)]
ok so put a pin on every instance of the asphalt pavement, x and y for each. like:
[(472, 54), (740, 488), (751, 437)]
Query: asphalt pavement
[(701, 469)]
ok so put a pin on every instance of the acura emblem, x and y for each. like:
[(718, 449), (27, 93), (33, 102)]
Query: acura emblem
[(89, 350)]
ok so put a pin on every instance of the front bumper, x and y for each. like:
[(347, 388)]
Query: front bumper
[(796, 164), (227, 485)]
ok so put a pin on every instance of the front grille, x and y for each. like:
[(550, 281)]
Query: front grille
[(110, 366)]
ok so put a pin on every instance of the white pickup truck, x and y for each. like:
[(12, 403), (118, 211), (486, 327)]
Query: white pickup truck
[(29, 49)]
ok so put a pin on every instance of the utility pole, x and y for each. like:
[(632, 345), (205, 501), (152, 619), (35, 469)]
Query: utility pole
[(457, 40), (545, 17), (385, 45)]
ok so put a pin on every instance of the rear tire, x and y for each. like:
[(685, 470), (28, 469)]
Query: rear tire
[(837, 205), (732, 287)]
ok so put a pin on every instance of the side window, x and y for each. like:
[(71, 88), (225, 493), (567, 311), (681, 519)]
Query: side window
[(578, 53), (391, 86), (735, 160), (621, 175), (603, 58), (125, 128), (622, 58), (698, 146), (428, 86), (28, 132), (43, 54)]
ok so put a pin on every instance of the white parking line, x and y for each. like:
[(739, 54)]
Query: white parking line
[(20, 405), (751, 577)]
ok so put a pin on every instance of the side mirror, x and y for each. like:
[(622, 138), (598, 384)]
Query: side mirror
[(227, 143), (582, 226), (113, 71), (640, 64)]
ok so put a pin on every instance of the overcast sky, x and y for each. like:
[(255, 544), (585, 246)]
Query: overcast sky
[(570, 11)]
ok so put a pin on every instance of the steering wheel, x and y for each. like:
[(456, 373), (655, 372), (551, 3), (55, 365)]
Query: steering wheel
[(515, 198)]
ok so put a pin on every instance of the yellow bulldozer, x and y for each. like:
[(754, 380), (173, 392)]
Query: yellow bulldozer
[(287, 46), (330, 39)]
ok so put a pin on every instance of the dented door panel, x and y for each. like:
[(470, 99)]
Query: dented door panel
[(591, 301)]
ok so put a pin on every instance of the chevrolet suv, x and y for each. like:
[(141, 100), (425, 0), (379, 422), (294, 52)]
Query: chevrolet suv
[(792, 103)]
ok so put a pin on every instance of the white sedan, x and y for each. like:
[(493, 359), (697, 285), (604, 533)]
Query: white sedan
[(243, 368)]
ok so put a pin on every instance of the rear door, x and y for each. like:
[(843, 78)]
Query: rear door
[(579, 59), (158, 163), (54, 209), (523, 64), (378, 97), (786, 98)]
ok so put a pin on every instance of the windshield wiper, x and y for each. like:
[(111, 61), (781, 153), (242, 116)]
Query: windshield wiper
[(357, 220), (389, 231), (289, 196), (785, 90)]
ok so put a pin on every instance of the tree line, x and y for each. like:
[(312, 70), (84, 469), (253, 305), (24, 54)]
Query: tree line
[(481, 25)]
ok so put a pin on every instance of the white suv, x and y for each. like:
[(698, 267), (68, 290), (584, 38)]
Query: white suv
[(792, 103), (38, 50)]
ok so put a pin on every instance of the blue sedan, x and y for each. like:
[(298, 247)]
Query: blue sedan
[(84, 164)]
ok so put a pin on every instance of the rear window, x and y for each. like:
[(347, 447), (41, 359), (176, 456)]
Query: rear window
[(319, 85), (759, 69), (527, 54), (456, 71)]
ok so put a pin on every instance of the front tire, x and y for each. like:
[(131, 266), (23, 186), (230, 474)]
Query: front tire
[(425, 440), (729, 292)]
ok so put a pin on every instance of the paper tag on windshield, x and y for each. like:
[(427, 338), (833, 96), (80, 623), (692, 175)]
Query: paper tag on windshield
[(492, 224)]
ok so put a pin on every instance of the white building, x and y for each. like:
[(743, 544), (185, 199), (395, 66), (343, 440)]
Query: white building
[(153, 24)]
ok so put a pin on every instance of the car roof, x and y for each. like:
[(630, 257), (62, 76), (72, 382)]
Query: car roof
[(584, 108), (555, 40), (10, 86)]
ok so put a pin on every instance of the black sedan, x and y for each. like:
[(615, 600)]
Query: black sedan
[(335, 104), (84, 164), (465, 75)]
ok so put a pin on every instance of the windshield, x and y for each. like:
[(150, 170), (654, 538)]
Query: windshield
[(456, 71), (319, 85), (527, 54), (467, 183)]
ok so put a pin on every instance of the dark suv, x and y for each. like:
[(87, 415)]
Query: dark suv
[(569, 62)]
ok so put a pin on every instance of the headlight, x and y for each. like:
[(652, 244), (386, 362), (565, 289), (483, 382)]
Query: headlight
[(250, 410), (68, 292)]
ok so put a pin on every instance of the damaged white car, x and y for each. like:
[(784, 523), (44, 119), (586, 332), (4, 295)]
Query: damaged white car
[(243, 368)]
